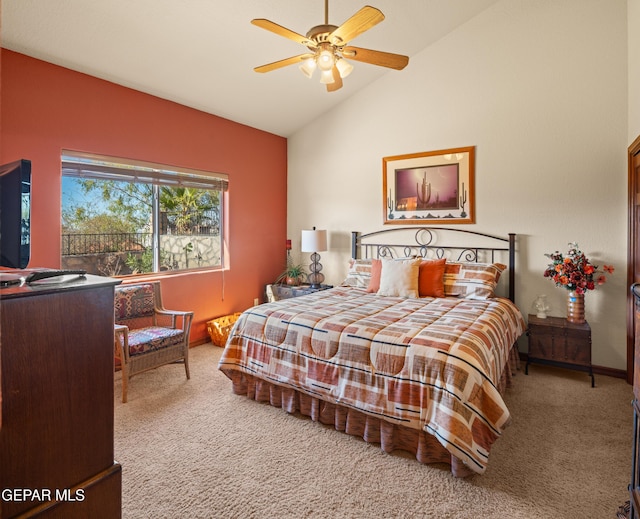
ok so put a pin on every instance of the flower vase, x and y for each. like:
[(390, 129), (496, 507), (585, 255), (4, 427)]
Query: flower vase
[(575, 307)]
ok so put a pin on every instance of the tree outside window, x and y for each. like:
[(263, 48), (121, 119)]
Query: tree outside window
[(129, 222)]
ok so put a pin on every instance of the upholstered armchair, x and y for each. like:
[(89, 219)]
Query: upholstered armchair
[(146, 334)]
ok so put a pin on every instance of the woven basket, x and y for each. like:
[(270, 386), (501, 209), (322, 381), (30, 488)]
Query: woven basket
[(220, 327)]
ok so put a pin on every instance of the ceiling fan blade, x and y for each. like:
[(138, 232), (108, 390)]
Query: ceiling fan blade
[(376, 57), (282, 31), (360, 22), (337, 81), (282, 63)]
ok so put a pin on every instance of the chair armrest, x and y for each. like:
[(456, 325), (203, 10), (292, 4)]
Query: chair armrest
[(164, 311), (186, 317)]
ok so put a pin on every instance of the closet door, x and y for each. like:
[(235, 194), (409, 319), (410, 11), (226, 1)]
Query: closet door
[(633, 273), (634, 486)]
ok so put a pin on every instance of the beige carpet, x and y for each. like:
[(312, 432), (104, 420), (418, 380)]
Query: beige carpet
[(191, 449)]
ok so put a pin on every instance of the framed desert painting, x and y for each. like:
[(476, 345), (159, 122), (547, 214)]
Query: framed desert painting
[(433, 187)]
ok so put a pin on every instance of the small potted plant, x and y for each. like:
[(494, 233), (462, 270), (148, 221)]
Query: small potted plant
[(292, 275)]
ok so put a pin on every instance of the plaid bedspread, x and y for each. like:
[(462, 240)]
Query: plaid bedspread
[(430, 364)]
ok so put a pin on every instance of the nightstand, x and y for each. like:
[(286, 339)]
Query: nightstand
[(557, 342), (279, 291)]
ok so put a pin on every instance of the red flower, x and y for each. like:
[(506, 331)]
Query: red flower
[(574, 271)]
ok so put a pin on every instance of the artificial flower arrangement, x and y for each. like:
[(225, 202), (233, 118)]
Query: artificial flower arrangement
[(574, 271)]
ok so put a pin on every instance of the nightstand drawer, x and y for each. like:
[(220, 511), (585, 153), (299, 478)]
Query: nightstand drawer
[(561, 344)]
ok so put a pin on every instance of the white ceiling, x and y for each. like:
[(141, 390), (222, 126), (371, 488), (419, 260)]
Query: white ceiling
[(201, 53)]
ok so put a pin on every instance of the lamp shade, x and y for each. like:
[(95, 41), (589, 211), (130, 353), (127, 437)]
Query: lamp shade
[(344, 67), (326, 77), (308, 67), (314, 241), (326, 58)]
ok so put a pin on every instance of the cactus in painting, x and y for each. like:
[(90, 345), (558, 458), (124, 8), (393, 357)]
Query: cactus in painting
[(424, 193), (463, 200)]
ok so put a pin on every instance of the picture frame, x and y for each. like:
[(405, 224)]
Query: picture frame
[(432, 187)]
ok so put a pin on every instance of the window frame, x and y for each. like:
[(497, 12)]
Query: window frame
[(83, 165)]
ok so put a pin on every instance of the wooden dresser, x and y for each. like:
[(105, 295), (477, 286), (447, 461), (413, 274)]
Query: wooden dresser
[(56, 399)]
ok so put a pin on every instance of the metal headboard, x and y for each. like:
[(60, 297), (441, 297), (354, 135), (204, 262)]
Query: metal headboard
[(438, 242)]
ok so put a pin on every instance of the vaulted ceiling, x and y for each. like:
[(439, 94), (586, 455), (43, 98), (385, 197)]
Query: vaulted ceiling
[(201, 53)]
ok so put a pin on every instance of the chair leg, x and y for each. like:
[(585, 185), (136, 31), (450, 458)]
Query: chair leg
[(121, 345), (186, 364), (125, 381)]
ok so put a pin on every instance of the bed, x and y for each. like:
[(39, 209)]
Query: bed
[(412, 351)]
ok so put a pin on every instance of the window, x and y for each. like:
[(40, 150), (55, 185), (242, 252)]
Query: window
[(124, 217)]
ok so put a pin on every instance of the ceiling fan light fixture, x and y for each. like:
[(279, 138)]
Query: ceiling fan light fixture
[(326, 77), (308, 67), (326, 58), (344, 68)]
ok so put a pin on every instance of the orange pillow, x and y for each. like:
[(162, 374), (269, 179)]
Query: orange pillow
[(376, 272), (431, 278)]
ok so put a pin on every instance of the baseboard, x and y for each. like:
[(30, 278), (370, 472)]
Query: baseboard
[(597, 370), (610, 372), (198, 342)]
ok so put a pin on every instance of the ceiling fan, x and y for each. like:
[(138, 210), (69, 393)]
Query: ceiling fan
[(329, 50)]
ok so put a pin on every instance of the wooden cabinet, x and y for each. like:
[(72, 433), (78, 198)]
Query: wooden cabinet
[(56, 400), (556, 341)]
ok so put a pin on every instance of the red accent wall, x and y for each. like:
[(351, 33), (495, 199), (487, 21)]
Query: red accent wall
[(45, 108)]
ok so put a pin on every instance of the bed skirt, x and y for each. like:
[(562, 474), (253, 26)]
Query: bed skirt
[(390, 436)]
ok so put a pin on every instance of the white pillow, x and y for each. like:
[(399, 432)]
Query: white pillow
[(399, 278)]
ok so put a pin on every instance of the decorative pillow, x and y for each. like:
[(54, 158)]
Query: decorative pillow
[(376, 271), (131, 301), (399, 278), (359, 273), (431, 278), (472, 280)]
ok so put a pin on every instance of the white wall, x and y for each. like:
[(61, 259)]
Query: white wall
[(540, 88), (633, 24)]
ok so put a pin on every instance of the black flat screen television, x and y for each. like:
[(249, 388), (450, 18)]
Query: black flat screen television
[(15, 214)]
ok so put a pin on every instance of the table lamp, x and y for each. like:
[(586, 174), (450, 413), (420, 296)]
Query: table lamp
[(314, 241)]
